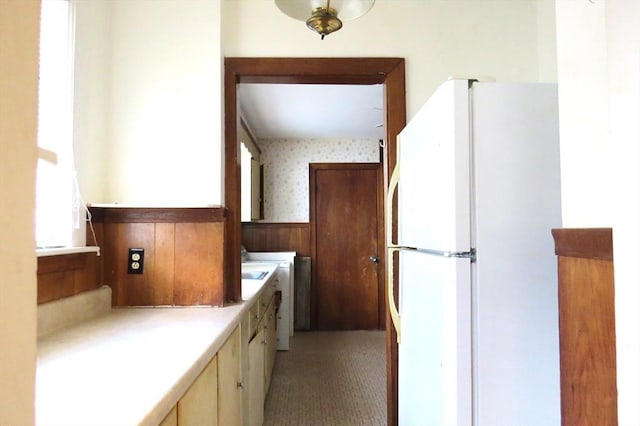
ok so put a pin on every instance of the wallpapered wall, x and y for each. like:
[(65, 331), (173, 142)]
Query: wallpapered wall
[(286, 170)]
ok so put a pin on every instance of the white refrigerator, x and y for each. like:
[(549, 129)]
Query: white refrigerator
[(478, 180)]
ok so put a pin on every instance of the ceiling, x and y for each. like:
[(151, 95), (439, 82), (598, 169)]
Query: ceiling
[(312, 111)]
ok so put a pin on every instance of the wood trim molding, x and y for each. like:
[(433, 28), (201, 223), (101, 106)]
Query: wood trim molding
[(387, 71), (589, 243), (292, 225), (157, 214)]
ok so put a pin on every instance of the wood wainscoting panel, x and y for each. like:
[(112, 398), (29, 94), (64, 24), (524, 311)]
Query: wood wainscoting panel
[(198, 264), (273, 236), (183, 255), (67, 275), (587, 326), (129, 289), (165, 249)]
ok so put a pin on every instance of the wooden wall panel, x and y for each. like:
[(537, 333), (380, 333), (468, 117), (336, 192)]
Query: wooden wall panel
[(109, 249), (66, 275), (133, 290), (95, 232), (261, 236), (164, 276), (199, 249), (183, 259), (55, 285), (587, 326)]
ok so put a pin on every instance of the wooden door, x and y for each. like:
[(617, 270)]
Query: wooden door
[(345, 227)]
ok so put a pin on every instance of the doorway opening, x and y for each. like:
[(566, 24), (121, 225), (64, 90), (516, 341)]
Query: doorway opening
[(387, 71)]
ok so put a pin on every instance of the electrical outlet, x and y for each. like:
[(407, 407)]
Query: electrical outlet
[(135, 261)]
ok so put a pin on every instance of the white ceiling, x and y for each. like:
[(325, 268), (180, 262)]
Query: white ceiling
[(310, 111)]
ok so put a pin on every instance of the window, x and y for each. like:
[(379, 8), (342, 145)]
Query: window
[(245, 179), (59, 210)]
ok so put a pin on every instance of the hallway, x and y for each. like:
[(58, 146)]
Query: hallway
[(329, 378)]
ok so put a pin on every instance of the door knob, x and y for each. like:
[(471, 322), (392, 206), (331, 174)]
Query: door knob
[(374, 259)]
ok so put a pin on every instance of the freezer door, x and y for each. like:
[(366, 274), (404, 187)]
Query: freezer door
[(434, 184), (434, 355)]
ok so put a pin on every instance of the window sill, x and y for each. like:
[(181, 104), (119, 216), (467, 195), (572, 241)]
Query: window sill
[(57, 251)]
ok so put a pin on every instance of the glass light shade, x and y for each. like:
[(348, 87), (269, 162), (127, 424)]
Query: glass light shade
[(324, 16)]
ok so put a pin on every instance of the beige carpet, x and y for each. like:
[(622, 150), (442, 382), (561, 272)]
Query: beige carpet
[(329, 378)]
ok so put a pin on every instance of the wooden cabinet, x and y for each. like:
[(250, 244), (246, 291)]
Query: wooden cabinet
[(255, 379), (215, 397), (199, 405), (172, 418), (230, 381), (587, 327), (232, 388), (261, 350), (270, 344)]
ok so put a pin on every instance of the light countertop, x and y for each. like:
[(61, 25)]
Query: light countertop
[(132, 365)]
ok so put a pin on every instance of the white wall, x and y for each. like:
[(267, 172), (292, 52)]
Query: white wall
[(286, 170), (19, 30), (599, 80), (546, 43), (91, 77), (584, 114), (163, 127), (623, 50), (438, 38), (165, 117)]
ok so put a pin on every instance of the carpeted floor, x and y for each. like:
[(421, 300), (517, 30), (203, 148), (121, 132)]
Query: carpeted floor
[(329, 378)]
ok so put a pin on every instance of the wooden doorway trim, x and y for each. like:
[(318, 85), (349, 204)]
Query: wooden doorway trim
[(387, 71)]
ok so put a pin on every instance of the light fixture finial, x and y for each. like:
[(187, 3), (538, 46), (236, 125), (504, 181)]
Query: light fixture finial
[(324, 21)]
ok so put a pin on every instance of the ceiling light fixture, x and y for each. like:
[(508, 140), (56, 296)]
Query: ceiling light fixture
[(324, 16)]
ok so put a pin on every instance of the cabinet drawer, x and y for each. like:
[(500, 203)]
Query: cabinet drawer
[(254, 317), (266, 296)]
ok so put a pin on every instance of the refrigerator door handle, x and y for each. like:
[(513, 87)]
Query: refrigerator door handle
[(471, 254), (391, 248)]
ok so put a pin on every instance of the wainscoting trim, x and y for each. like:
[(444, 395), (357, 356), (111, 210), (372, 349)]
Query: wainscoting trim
[(157, 214), (589, 243)]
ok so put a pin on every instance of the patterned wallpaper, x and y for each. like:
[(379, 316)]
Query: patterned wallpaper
[(286, 171)]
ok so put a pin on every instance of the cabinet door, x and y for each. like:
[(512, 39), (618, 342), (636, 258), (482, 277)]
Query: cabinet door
[(256, 379), (199, 405), (271, 345), (172, 418), (229, 381)]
